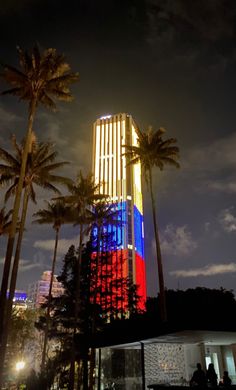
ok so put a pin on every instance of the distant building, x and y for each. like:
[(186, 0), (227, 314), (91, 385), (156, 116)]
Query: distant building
[(19, 300), (38, 291)]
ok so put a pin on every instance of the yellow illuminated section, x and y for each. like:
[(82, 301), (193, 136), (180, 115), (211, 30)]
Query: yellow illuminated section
[(110, 158), (114, 194), (118, 150), (138, 199), (110, 166), (102, 156), (97, 152), (105, 160)]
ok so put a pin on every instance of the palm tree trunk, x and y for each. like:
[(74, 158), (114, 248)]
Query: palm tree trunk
[(163, 311), (45, 341), (14, 273), (11, 237), (77, 297), (92, 355), (85, 371)]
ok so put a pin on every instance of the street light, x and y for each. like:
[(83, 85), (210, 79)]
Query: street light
[(20, 365)]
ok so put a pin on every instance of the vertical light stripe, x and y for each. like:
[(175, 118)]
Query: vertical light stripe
[(114, 161), (110, 159), (123, 149), (118, 149), (106, 159), (101, 158), (97, 152)]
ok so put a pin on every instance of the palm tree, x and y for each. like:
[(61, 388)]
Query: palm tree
[(57, 214), (39, 167), (152, 151), (40, 78), (5, 223), (83, 194)]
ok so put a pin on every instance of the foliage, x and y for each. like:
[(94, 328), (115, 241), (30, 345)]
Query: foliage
[(22, 337), (93, 313), (57, 213), (5, 221), (153, 151), (43, 76), (39, 168), (22, 329), (199, 307)]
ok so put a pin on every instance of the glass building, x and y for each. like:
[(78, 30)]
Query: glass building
[(122, 183)]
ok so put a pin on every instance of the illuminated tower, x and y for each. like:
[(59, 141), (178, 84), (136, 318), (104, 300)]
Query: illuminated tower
[(122, 183)]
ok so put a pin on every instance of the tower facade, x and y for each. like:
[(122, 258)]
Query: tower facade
[(122, 183)]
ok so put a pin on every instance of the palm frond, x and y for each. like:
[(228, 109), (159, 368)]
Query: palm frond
[(12, 91), (32, 193), (11, 191), (7, 157), (18, 148), (47, 102)]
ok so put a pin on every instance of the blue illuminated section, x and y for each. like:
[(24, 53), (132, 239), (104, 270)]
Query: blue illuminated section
[(19, 295), (117, 233), (138, 232)]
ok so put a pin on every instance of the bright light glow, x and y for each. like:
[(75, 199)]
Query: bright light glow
[(20, 365), (97, 154), (105, 117)]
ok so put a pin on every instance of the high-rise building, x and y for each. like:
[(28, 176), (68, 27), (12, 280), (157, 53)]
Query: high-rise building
[(122, 183), (39, 290)]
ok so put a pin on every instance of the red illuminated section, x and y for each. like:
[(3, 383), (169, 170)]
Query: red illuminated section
[(141, 280), (112, 276)]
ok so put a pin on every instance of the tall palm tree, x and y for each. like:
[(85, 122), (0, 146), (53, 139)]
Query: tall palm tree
[(5, 221), (39, 171), (102, 215), (83, 194), (152, 151), (40, 78), (57, 214)]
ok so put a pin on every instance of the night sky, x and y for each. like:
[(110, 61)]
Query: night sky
[(169, 64)]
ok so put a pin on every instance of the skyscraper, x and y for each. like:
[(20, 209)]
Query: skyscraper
[(122, 183)]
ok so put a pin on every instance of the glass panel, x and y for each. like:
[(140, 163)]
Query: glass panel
[(121, 368)]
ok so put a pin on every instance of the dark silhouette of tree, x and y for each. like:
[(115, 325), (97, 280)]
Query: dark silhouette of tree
[(56, 214), (39, 172), (5, 221), (199, 307), (41, 77), (152, 151), (83, 194), (93, 314)]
